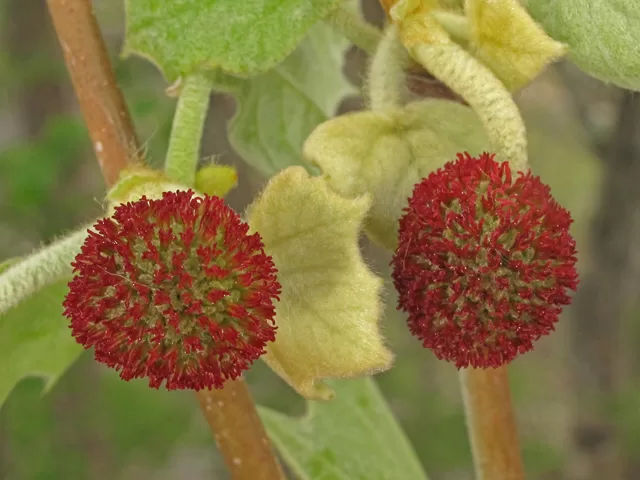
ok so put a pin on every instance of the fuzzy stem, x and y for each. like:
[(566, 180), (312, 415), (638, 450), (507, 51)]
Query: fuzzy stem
[(491, 424), (101, 101), (482, 90), (239, 433), (362, 34), (51, 264), (387, 86), (186, 132)]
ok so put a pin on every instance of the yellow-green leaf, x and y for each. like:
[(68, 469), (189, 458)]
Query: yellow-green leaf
[(330, 305), (385, 155), (506, 39)]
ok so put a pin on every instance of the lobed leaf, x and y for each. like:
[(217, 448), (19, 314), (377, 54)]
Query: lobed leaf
[(330, 307)]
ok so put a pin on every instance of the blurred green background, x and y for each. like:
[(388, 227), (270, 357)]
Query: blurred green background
[(577, 396)]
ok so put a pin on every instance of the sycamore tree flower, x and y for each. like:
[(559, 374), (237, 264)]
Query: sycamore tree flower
[(484, 261), (174, 286), (175, 290)]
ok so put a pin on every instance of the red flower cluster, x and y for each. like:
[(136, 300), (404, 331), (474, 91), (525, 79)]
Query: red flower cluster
[(174, 290), (484, 262)]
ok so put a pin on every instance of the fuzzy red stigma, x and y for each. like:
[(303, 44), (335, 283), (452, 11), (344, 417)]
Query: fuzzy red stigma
[(175, 290), (484, 262)]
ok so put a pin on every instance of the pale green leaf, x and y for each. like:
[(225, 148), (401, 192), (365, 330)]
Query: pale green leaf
[(385, 155), (329, 310), (353, 437), (35, 339), (279, 109), (241, 37)]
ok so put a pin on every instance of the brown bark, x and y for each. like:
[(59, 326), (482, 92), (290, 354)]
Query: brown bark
[(491, 424), (239, 432), (603, 300), (103, 106)]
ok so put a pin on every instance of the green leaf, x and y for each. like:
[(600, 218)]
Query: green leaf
[(385, 155), (603, 35), (35, 339), (354, 437), (279, 109), (240, 37), (330, 307)]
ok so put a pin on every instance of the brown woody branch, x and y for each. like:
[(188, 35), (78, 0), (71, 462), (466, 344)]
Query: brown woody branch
[(230, 411), (101, 101), (239, 432)]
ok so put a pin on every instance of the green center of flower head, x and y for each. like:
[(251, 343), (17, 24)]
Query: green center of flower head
[(174, 289), (484, 262)]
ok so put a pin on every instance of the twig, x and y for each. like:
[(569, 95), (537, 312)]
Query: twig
[(239, 432), (230, 411), (491, 424), (101, 101)]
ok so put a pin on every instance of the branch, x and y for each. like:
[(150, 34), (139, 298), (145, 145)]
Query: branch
[(239, 433), (491, 424), (101, 102)]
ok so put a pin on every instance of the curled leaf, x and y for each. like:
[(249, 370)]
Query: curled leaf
[(385, 155), (330, 305), (505, 38)]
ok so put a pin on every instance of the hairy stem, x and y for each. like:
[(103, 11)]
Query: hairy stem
[(491, 424), (101, 101), (239, 433), (362, 34), (49, 265), (186, 132), (387, 85), (482, 90)]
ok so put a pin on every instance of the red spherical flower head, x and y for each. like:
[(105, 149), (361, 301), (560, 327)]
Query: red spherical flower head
[(175, 290), (484, 262)]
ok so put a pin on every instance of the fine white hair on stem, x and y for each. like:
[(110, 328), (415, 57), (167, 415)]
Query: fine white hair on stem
[(42, 268)]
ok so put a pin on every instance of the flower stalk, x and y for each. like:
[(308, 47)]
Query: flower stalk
[(188, 124), (491, 424), (239, 432)]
